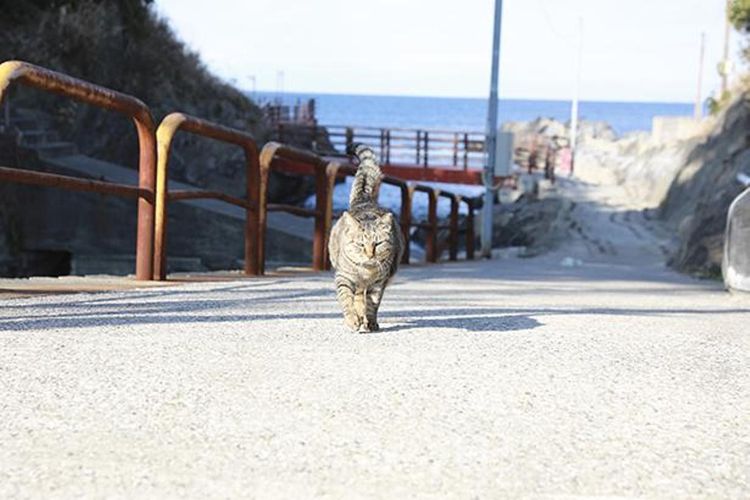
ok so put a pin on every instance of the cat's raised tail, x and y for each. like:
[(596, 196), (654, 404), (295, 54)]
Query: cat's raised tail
[(367, 178)]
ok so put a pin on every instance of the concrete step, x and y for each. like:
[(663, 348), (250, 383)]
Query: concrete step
[(123, 265), (24, 123), (55, 149), (38, 137), (98, 169)]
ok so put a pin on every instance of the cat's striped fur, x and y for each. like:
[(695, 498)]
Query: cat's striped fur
[(365, 246)]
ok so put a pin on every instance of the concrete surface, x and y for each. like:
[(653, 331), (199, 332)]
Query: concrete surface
[(590, 371)]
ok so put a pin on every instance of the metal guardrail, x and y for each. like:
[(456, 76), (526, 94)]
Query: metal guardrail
[(153, 194), (22, 73), (291, 160), (168, 128)]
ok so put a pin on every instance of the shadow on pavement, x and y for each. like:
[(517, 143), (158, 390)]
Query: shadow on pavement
[(497, 323), (221, 311)]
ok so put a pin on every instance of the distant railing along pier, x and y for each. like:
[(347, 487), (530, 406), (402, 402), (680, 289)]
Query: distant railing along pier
[(412, 154)]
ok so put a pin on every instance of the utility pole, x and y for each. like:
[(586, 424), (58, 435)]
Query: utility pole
[(698, 111), (576, 97), (491, 137)]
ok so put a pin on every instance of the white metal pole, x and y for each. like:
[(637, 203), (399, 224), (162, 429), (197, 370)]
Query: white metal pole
[(491, 137), (698, 110), (576, 96)]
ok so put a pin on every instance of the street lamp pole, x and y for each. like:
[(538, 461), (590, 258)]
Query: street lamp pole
[(491, 137)]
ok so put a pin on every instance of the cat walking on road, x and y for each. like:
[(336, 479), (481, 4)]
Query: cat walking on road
[(365, 247)]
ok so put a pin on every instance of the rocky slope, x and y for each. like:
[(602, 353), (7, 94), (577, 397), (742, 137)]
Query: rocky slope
[(698, 198), (690, 183)]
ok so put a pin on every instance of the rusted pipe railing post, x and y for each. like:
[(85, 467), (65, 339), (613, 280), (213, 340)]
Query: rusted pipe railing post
[(453, 237), (58, 83), (169, 126), (266, 157), (320, 237), (331, 172), (405, 222), (432, 220), (470, 230)]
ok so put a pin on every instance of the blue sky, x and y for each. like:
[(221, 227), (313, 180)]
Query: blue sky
[(634, 50)]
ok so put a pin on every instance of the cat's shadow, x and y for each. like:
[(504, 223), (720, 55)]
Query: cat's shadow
[(479, 324)]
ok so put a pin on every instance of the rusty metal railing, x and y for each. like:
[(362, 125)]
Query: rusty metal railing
[(18, 72), (431, 225), (291, 160), (169, 126)]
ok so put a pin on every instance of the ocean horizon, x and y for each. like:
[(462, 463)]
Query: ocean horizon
[(470, 114)]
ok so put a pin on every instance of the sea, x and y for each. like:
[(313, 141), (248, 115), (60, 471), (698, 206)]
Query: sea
[(470, 114)]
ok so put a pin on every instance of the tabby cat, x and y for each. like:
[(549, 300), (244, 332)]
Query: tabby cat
[(365, 246)]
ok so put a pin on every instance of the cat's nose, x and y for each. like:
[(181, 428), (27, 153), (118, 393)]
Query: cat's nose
[(370, 250)]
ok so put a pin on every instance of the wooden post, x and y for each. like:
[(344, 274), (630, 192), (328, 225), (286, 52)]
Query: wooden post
[(349, 138), (388, 147), (419, 144), (455, 149), (466, 151), (426, 147)]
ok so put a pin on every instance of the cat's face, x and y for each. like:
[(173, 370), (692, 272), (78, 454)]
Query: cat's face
[(369, 243)]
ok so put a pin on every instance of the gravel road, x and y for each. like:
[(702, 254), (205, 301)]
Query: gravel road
[(576, 373)]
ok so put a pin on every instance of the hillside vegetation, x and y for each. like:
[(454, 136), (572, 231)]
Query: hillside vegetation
[(124, 45)]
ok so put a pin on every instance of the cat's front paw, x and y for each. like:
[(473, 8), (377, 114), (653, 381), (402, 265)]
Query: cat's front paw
[(353, 322), (369, 326)]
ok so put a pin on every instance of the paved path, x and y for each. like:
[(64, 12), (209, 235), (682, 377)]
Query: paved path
[(503, 378)]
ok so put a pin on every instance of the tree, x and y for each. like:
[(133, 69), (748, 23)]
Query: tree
[(739, 14)]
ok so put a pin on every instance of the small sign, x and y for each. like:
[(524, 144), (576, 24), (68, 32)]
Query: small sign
[(503, 154)]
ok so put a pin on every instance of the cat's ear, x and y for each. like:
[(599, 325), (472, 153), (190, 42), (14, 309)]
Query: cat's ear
[(349, 221), (386, 219)]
